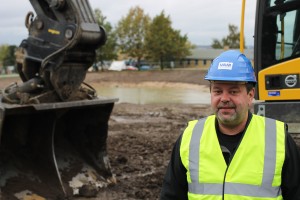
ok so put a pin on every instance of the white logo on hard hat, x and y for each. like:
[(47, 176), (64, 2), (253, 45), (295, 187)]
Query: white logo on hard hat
[(225, 65)]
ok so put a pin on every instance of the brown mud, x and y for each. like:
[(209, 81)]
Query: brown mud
[(141, 137)]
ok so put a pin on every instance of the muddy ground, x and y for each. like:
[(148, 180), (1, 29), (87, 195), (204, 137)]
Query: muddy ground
[(141, 137)]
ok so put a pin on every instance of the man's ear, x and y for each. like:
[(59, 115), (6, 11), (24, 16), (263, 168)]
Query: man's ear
[(252, 93)]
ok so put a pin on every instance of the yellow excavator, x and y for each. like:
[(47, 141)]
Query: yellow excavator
[(53, 126), (277, 60)]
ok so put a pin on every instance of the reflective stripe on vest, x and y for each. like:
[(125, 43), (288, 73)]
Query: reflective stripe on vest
[(273, 159)]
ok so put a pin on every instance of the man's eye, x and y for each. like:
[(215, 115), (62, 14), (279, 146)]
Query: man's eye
[(233, 92), (217, 91)]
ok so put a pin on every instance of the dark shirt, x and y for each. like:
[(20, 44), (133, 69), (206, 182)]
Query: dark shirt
[(175, 184)]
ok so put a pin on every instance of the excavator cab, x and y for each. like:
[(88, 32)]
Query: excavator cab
[(53, 126), (276, 61)]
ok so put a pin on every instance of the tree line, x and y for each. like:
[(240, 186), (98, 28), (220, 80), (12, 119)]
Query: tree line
[(140, 37)]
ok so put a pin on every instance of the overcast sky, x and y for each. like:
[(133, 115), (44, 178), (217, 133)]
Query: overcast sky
[(201, 20)]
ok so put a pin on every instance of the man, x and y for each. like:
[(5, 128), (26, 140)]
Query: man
[(233, 154)]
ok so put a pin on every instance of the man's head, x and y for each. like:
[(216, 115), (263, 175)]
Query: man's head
[(232, 81)]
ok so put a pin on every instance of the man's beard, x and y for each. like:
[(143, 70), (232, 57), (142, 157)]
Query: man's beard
[(232, 120), (228, 121)]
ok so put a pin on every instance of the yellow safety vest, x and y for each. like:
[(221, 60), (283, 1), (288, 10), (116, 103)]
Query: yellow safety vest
[(254, 172)]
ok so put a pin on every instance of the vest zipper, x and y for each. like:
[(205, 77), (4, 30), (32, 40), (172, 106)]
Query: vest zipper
[(223, 188), (225, 150)]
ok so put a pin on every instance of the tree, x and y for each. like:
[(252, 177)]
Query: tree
[(4, 49), (7, 55), (231, 41), (10, 58), (163, 43), (109, 50), (131, 33)]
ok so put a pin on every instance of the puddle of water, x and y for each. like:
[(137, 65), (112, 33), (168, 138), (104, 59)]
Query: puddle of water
[(152, 95)]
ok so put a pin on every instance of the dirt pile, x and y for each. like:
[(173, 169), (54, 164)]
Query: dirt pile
[(193, 76)]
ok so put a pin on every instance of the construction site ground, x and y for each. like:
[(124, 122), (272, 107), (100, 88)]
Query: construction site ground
[(141, 137)]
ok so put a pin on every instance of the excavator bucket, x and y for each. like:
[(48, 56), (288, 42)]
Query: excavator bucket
[(54, 150)]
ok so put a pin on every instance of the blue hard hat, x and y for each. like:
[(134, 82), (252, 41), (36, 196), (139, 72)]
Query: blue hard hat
[(231, 65)]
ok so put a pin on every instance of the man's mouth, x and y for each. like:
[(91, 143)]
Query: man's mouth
[(226, 108)]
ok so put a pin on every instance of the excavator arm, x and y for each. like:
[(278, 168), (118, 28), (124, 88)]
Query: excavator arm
[(53, 61), (53, 128)]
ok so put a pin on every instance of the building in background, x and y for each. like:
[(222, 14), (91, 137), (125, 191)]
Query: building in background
[(202, 57)]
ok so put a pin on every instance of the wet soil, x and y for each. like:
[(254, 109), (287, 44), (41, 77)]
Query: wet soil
[(141, 137), (140, 141)]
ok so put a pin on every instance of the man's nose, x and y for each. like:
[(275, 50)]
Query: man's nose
[(225, 97)]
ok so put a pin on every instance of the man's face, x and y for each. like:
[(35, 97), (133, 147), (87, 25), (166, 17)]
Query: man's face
[(230, 102)]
